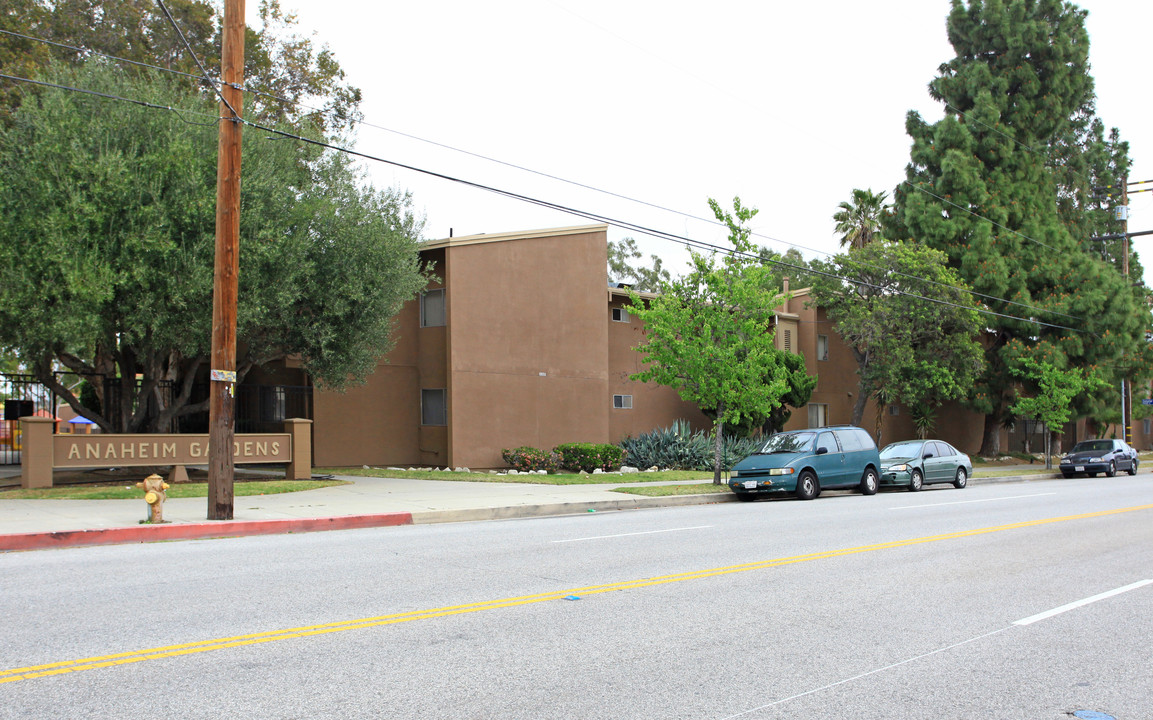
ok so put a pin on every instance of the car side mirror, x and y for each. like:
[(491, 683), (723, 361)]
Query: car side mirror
[(928, 455), (822, 450)]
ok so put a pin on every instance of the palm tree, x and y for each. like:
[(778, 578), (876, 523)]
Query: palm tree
[(859, 221)]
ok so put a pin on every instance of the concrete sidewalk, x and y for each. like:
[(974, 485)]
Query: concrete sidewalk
[(368, 502)]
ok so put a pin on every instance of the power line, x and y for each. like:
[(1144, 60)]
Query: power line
[(600, 190), (688, 242), (203, 70), (647, 231), (87, 51), (142, 103)]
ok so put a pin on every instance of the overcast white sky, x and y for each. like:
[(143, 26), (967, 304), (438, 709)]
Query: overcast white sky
[(788, 105)]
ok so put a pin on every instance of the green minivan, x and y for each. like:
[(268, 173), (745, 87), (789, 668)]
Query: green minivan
[(804, 462)]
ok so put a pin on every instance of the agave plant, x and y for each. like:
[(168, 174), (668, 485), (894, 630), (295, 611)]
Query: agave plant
[(678, 447)]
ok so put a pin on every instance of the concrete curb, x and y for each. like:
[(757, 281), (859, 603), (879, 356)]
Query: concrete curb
[(195, 531), (512, 512), (244, 528), (1017, 478)]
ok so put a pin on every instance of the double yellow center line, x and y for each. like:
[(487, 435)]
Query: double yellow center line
[(168, 651)]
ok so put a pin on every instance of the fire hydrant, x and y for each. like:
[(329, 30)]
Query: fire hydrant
[(154, 487)]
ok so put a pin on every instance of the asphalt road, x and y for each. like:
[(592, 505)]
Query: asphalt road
[(1025, 600)]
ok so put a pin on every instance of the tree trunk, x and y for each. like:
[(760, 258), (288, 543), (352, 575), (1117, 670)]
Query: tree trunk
[(1048, 450), (719, 447), (863, 391), (1056, 440), (859, 406), (991, 440)]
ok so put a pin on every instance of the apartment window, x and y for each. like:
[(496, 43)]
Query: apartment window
[(818, 415), (432, 308), (620, 315), (1147, 425), (432, 407), (623, 402), (822, 347), (894, 410)]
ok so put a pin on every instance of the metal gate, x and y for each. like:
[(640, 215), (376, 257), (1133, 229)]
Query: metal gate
[(23, 395), (259, 408)]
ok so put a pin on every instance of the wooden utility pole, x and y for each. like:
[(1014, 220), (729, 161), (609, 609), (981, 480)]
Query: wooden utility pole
[(221, 401), (1126, 383)]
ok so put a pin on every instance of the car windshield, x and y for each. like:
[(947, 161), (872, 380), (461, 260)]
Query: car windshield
[(1093, 446), (901, 450), (788, 442)]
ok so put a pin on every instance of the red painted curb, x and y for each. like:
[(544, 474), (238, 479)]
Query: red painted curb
[(194, 531)]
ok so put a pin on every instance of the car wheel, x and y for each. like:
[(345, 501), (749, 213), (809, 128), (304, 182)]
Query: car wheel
[(1133, 467), (962, 478), (869, 482), (916, 481), (1112, 471), (807, 487)]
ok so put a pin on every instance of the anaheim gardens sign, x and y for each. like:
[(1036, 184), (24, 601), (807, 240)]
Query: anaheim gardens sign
[(75, 451), (43, 450)]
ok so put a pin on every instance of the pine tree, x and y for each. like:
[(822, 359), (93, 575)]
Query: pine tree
[(980, 188)]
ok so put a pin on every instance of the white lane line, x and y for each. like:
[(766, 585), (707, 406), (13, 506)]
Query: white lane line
[(966, 502), (865, 674), (1081, 603), (647, 532)]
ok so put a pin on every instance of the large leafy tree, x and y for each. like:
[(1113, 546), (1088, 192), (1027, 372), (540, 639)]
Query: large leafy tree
[(622, 267), (286, 70), (107, 224), (1051, 402), (790, 264), (799, 389), (908, 320), (979, 187), (709, 334), (859, 221)]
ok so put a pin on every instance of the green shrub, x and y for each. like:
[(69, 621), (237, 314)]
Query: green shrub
[(587, 457), (524, 459), (677, 447)]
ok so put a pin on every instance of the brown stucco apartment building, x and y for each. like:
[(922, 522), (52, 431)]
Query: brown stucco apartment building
[(519, 341)]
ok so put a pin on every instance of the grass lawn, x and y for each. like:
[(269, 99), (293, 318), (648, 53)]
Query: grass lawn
[(1039, 470), (553, 479), (669, 490), (182, 490)]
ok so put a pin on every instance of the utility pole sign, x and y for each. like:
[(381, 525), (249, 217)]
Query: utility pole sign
[(221, 401)]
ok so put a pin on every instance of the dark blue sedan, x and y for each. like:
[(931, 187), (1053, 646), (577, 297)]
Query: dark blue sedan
[(1090, 457)]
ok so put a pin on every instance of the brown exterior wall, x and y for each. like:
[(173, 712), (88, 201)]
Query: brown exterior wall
[(530, 355), (653, 406), (376, 423), (527, 344)]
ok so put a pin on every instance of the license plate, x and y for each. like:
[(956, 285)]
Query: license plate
[(1079, 468), (750, 484)]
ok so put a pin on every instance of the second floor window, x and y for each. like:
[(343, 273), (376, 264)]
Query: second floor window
[(432, 308)]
